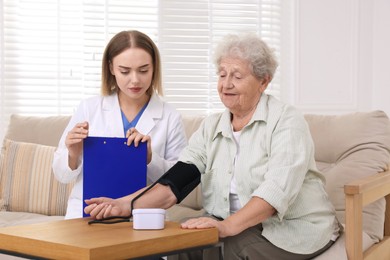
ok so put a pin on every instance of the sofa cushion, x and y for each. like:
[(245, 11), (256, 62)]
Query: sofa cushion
[(191, 124), (8, 218), (26, 180), (337, 250), (33, 129), (180, 213), (349, 147), (194, 199)]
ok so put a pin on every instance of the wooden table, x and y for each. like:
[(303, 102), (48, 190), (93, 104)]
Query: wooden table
[(75, 239)]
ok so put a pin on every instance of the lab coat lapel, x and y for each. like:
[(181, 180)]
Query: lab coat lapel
[(153, 112), (112, 116)]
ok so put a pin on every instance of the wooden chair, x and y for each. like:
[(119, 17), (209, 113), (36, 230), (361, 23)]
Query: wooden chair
[(358, 194)]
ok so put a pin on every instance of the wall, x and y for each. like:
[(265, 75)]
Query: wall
[(381, 55), (340, 55)]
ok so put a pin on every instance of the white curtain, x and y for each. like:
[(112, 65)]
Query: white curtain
[(50, 50)]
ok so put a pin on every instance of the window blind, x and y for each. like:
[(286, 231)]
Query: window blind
[(188, 34), (51, 50), (42, 59)]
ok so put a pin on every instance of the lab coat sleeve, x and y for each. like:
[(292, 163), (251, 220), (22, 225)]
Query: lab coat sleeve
[(60, 165), (175, 142)]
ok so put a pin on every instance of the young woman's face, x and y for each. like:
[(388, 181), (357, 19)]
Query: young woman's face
[(133, 71)]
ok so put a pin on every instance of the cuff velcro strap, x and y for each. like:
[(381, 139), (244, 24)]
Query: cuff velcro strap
[(182, 178)]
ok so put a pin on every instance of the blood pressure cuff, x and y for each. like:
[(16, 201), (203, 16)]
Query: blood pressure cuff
[(182, 178)]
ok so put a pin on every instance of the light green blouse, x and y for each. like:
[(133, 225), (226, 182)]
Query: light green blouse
[(276, 163)]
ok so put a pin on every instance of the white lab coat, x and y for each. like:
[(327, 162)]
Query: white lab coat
[(159, 120)]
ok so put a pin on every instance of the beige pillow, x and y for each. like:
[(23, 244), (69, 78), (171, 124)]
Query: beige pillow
[(27, 183), (349, 147)]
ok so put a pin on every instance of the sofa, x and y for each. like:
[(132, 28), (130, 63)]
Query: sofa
[(352, 150)]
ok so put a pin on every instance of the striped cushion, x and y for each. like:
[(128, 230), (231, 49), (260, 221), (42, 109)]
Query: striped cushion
[(27, 183)]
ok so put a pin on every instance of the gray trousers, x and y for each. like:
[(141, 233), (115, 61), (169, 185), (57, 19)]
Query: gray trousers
[(248, 245)]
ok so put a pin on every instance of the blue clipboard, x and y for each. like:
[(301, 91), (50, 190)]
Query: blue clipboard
[(112, 168)]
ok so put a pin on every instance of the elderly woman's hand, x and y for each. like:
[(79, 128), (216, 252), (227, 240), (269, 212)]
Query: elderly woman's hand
[(104, 207), (133, 136), (207, 222)]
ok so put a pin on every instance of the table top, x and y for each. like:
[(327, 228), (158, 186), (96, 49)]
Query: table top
[(75, 239)]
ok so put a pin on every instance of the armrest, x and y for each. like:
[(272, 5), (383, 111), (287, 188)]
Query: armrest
[(358, 194)]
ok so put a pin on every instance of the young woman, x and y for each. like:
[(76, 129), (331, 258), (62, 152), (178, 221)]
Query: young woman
[(129, 106)]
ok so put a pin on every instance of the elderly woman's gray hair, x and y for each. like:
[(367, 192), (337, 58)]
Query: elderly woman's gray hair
[(249, 47)]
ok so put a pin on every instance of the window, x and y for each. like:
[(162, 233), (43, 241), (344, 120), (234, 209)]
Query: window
[(188, 33), (50, 50)]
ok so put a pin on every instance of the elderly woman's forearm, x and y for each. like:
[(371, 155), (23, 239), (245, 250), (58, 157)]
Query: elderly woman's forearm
[(253, 213), (160, 196)]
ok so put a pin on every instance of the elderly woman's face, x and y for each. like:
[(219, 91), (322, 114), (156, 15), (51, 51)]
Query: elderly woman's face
[(238, 88)]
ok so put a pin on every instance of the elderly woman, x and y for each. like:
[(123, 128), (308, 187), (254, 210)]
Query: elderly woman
[(255, 163)]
